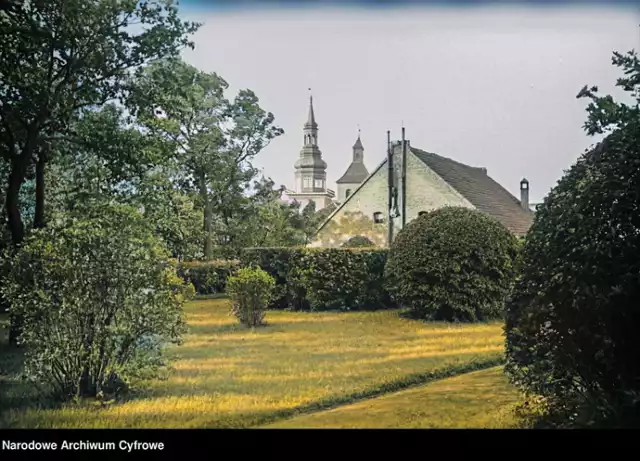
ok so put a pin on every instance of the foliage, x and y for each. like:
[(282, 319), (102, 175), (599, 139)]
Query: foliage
[(344, 279), (323, 279), (571, 325), (452, 264), (98, 302), (359, 241), (215, 140), (60, 58), (265, 220), (250, 290), (59, 62), (207, 277), (572, 321), (284, 265), (605, 114)]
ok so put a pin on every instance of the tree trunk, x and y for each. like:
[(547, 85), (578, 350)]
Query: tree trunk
[(12, 201), (38, 221), (16, 227), (208, 218)]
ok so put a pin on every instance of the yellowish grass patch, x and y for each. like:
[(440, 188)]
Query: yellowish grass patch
[(481, 399), (226, 375)]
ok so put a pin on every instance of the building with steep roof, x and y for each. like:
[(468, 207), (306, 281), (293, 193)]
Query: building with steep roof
[(431, 182), (356, 172)]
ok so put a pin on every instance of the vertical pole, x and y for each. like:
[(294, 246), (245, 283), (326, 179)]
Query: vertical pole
[(404, 180), (390, 177)]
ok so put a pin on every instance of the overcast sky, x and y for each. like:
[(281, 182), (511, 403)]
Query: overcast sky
[(491, 87)]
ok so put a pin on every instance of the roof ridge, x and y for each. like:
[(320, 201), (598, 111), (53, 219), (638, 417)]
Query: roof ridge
[(448, 159)]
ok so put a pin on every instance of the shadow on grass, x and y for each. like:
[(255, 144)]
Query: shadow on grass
[(15, 393)]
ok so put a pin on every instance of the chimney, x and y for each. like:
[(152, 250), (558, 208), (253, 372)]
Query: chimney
[(524, 194)]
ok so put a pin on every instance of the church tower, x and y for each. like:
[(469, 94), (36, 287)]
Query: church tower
[(310, 169), (355, 174)]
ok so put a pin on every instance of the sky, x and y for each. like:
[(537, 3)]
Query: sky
[(493, 87)]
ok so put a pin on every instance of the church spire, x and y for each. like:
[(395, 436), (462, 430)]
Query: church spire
[(358, 149), (310, 169), (311, 119)]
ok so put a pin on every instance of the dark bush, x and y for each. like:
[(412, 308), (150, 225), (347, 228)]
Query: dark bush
[(207, 277), (359, 241), (323, 279), (344, 279), (573, 320), (452, 264), (250, 290)]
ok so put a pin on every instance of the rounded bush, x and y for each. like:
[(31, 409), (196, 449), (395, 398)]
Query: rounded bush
[(573, 320), (251, 290), (359, 241), (452, 264)]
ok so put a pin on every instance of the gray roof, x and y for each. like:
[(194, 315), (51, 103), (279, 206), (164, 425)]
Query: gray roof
[(358, 145), (355, 174), (478, 188)]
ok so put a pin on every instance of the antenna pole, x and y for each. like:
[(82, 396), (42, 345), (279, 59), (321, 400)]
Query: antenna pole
[(404, 179), (390, 178)]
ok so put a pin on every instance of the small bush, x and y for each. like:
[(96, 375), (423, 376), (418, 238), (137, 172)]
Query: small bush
[(359, 241), (97, 301), (452, 264), (251, 290), (208, 277)]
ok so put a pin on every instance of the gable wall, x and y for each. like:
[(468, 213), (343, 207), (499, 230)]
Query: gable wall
[(426, 191)]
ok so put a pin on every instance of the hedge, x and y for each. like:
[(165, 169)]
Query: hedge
[(207, 277), (284, 265), (323, 278)]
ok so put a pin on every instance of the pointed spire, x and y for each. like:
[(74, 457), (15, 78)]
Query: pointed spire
[(358, 145), (311, 120)]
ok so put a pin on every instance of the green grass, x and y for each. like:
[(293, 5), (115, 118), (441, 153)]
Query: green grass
[(481, 399), (228, 376)]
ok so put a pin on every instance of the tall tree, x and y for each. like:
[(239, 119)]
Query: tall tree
[(59, 58), (215, 139), (62, 56)]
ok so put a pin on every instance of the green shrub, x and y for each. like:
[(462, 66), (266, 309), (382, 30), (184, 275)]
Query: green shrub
[(208, 277), (452, 264), (251, 290), (359, 241), (344, 279), (572, 323), (97, 301)]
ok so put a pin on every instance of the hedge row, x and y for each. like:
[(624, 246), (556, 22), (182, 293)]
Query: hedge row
[(306, 278), (207, 277), (323, 278)]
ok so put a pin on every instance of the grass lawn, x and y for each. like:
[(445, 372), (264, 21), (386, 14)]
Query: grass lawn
[(481, 399), (228, 376)]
